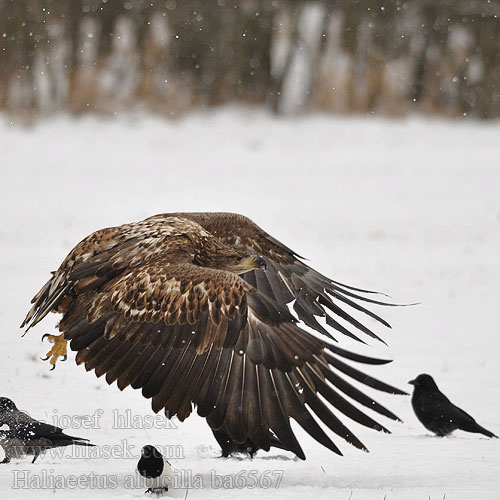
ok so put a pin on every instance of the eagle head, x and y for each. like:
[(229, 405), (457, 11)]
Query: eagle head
[(232, 260)]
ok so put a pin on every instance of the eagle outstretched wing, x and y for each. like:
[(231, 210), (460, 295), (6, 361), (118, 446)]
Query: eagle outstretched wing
[(108, 252), (209, 338), (140, 307), (287, 278)]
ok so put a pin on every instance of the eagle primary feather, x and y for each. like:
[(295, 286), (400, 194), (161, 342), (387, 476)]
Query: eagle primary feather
[(182, 307)]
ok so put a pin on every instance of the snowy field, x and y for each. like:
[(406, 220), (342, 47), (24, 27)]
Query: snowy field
[(410, 207)]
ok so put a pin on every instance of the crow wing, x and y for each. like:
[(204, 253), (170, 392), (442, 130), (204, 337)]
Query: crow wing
[(24, 427)]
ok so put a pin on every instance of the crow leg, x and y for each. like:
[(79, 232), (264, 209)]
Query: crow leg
[(157, 491)]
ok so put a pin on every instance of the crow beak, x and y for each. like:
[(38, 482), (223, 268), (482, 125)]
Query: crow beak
[(411, 382)]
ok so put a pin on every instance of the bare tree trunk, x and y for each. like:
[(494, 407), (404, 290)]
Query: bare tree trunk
[(217, 51)]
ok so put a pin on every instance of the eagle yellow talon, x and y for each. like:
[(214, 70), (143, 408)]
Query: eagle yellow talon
[(59, 349)]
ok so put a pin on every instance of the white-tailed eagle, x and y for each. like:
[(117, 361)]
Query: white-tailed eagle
[(191, 308)]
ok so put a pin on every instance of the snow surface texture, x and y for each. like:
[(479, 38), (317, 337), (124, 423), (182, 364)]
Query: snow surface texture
[(410, 207)]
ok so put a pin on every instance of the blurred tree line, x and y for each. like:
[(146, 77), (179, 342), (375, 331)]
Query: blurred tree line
[(393, 56)]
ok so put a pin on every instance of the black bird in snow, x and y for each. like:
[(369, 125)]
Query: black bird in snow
[(26, 436), (155, 473), (437, 413)]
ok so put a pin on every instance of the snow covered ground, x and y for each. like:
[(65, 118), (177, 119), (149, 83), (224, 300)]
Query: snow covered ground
[(410, 207)]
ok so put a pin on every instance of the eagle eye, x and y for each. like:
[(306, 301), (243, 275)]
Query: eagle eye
[(238, 259)]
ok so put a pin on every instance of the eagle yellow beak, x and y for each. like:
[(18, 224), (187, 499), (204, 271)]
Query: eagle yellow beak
[(252, 262)]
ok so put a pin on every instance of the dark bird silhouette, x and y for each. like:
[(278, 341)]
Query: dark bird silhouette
[(193, 310), (154, 471), (229, 446), (27, 436), (437, 413)]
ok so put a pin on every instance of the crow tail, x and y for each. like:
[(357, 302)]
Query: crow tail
[(480, 430), (486, 432)]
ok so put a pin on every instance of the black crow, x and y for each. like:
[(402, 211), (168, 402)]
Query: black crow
[(154, 471), (248, 446), (24, 435), (437, 413)]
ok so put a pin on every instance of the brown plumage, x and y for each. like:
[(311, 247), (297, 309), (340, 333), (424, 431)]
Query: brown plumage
[(183, 307)]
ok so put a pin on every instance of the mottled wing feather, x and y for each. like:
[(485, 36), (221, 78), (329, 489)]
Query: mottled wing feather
[(187, 335), (287, 278), (108, 252)]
